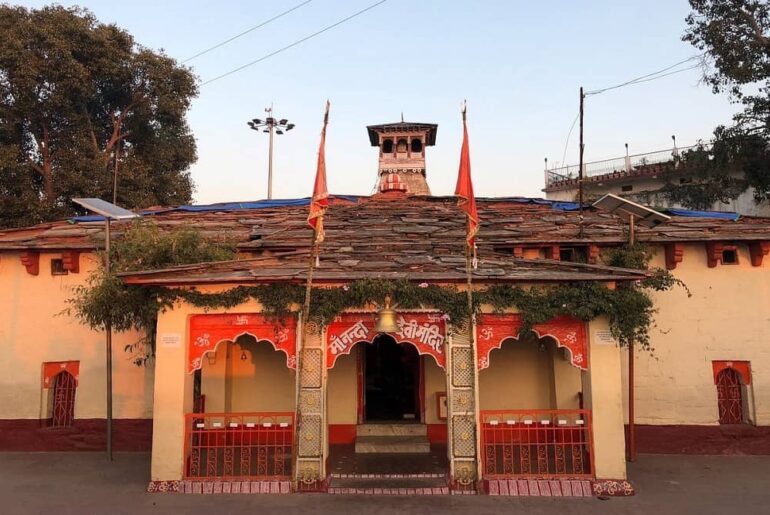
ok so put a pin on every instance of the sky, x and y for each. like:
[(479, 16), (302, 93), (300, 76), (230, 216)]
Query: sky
[(519, 65)]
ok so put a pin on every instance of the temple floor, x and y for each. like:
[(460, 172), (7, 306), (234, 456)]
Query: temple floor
[(344, 460)]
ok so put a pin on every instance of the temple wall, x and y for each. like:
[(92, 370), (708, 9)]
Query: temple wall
[(725, 319), (520, 376), (33, 330), (260, 383)]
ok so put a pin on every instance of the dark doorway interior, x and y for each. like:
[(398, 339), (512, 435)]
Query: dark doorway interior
[(392, 375)]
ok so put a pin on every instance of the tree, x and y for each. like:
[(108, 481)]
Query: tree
[(734, 36), (142, 246), (77, 95)]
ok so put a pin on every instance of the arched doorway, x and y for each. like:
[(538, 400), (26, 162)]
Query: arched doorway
[(63, 411), (391, 381), (730, 397)]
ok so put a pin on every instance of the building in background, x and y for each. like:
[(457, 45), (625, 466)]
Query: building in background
[(638, 177)]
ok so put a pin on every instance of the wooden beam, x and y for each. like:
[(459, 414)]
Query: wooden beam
[(714, 251), (31, 261), (758, 250), (674, 254), (71, 259)]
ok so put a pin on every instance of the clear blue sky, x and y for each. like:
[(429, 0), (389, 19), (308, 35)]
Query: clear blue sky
[(519, 65)]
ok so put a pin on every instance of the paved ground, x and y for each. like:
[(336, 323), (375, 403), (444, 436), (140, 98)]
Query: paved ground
[(85, 484)]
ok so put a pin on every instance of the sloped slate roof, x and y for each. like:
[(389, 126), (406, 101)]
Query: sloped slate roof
[(504, 222)]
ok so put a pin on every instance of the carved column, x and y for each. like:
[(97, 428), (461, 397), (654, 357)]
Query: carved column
[(310, 446), (462, 400)]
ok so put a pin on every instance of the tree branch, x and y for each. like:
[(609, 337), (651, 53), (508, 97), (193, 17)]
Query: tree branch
[(754, 24)]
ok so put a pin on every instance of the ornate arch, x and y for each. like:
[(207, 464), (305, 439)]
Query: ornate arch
[(208, 331), (743, 369), (569, 333), (426, 332)]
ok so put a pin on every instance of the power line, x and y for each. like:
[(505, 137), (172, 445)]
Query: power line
[(255, 27), (299, 41), (650, 76), (566, 143)]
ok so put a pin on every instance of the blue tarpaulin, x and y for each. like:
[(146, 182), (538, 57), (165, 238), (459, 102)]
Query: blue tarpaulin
[(223, 206), (724, 215)]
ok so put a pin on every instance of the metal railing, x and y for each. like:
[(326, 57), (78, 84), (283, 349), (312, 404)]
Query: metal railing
[(536, 443), (239, 445), (620, 165)]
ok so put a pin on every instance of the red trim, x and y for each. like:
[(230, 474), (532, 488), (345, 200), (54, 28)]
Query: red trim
[(425, 331), (33, 435), (208, 331), (361, 380), (493, 330), (718, 439), (342, 434), (52, 368), (742, 367), (437, 433), (714, 253), (71, 261)]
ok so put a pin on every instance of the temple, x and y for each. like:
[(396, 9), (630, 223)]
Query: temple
[(394, 395)]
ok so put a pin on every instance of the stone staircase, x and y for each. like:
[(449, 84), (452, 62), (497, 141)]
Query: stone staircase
[(396, 438)]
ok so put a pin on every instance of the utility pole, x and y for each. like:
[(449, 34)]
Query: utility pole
[(580, 165), (270, 125)]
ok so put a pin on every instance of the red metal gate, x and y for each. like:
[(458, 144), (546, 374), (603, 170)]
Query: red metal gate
[(63, 400), (730, 397), (239, 445), (536, 443)]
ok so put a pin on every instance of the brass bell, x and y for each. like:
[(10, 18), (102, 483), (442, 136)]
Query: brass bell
[(386, 318)]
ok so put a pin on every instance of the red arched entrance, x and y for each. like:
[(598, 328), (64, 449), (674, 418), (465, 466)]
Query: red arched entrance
[(63, 411), (730, 396)]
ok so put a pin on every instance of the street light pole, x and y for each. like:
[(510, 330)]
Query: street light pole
[(270, 125)]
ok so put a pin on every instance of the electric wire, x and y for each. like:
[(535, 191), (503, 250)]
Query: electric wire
[(255, 27), (291, 45), (650, 76)]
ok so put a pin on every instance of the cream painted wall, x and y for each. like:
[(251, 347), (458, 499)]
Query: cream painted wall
[(727, 318), (520, 376), (33, 330), (261, 382), (342, 389)]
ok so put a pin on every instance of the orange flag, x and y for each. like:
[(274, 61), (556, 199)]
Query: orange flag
[(464, 190), (320, 199)]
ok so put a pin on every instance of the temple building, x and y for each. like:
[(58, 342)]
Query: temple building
[(395, 396)]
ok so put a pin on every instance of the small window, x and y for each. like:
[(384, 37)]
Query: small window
[(416, 145), (387, 146), (627, 187), (567, 254), (573, 254), (57, 267), (63, 405), (730, 256), (401, 146)]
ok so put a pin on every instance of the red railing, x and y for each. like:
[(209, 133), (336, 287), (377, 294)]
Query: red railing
[(239, 445), (536, 443)]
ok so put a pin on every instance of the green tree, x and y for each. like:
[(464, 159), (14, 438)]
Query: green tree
[(74, 94), (734, 36), (143, 246)]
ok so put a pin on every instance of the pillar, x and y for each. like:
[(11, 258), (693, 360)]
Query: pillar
[(173, 397), (603, 391), (309, 472), (462, 403)]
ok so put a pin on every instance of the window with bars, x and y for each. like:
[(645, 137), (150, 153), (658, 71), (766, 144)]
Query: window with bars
[(63, 400)]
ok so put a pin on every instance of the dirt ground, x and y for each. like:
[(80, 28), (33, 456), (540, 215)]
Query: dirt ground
[(85, 483)]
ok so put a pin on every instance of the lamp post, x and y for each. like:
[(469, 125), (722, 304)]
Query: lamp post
[(109, 212), (270, 125)]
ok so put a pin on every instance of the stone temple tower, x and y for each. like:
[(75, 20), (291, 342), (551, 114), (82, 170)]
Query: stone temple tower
[(402, 153)]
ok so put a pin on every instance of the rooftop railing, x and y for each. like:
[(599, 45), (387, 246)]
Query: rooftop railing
[(626, 165)]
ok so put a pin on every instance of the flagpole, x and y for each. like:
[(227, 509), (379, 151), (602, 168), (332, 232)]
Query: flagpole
[(318, 196)]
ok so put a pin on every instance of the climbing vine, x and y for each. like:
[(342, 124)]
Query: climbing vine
[(628, 307)]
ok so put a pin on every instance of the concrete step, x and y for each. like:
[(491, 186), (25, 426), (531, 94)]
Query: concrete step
[(392, 444), (396, 429)]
